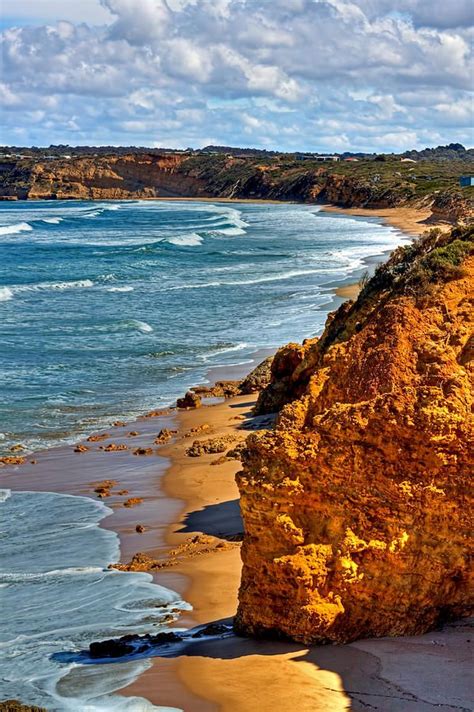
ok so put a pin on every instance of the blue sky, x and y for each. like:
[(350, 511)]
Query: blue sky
[(329, 75)]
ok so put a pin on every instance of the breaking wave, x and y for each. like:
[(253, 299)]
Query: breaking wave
[(15, 228), (5, 294), (191, 240)]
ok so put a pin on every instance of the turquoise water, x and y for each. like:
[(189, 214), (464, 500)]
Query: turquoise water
[(110, 309)]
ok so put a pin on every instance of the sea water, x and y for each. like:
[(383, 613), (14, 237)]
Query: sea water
[(109, 309), (57, 596)]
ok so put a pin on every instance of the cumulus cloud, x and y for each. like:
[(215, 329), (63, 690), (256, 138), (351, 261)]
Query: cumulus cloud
[(293, 74)]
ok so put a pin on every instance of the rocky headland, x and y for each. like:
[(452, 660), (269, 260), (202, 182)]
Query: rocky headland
[(358, 507)]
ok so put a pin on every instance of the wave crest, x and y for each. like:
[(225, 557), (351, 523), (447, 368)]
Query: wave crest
[(191, 240), (15, 228), (5, 294)]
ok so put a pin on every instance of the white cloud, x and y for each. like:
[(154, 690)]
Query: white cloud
[(32, 11), (237, 70)]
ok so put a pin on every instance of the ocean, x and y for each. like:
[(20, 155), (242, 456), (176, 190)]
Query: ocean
[(108, 310)]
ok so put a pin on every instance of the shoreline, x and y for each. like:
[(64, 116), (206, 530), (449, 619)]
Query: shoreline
[(410, 220), (184, 497)]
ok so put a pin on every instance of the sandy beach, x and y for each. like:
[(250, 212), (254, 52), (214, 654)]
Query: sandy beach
[(188, 509), (414, 221)]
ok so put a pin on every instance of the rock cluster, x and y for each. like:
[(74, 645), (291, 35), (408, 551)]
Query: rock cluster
[(358, 507)]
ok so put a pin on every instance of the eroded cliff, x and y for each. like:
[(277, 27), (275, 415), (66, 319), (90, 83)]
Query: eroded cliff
[(141, 175), (358, 507)]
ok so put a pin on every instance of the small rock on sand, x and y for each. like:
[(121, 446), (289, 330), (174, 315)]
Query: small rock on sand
[(133, 501), (13, 460), (143, 451), (190, 400), (98, 438), (81, 448), (212, 445), (164, 435)]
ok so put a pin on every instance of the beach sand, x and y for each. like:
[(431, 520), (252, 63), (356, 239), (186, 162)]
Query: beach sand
[(348, 291), (413, 221), (184, 497)]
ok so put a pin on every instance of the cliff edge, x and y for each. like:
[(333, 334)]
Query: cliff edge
[(358, 508)]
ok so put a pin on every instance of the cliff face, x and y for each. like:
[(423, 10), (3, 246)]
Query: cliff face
[(143, 175), (357, 508), (113, 177)]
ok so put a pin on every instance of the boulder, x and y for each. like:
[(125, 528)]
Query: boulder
[(190, 400)]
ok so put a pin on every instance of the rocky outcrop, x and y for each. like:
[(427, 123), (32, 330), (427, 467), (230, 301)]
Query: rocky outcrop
[(452, 207), (357, 508), (258, 379)]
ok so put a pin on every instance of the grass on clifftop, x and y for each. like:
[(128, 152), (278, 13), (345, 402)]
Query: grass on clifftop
[(433, 258)]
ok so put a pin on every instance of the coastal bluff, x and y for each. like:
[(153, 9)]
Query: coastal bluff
[(358, 507), (364, 184)]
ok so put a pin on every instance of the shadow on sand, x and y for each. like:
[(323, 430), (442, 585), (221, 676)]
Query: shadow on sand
[(221, 520)]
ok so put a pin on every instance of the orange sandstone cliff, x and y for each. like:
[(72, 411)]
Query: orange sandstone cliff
[(358, 508)]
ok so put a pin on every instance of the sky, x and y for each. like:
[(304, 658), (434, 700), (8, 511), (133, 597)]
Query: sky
[(308, 75)]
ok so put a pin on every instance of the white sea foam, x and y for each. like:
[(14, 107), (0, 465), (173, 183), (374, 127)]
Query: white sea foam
[(191, 240), (225, 350), (52, 221), (5, 494), (59, 286), (15, 228), (257, 280), (5, 294), (230, 231), (141, 326), (119, 289)]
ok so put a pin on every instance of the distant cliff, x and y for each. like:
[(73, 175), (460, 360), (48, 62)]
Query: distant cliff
[(358, 508), (364, 183)]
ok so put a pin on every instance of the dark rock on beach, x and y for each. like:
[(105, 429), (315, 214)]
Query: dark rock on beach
[(130, 644), (211, 629)]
